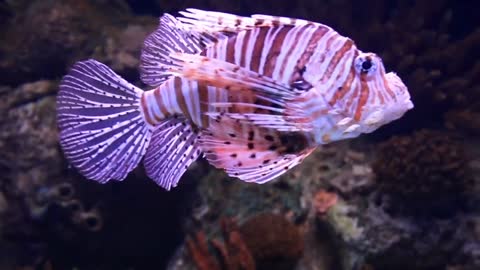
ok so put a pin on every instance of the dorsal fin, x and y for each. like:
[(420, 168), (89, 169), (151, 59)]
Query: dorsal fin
[(212, 21), (169, 37)]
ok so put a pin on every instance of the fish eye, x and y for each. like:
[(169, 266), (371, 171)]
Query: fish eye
[(365, 64)]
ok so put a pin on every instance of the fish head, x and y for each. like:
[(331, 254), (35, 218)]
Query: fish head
[(365, 100), (384, 96), (376, 98)]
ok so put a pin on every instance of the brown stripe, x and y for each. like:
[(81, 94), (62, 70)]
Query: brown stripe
[(290, 50), (274, 51), (193, 86), (387, 88), (336, 59), (146, 110), (362, 100), (243, 55), (160, 103), (349, 102), (312, 45), (230, 57), (257, 48), (203, 95), (345, 88), (180, 98)]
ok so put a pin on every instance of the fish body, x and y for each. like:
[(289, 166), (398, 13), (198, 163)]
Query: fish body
[(254, 95)]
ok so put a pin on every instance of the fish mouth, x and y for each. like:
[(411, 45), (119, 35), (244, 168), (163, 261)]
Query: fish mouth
[(400, 90), (391, 111)]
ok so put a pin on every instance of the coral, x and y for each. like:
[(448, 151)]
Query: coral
[(323, 201), (265, 241), (234, 254), (426, 172), (200, 253), (274, 242)]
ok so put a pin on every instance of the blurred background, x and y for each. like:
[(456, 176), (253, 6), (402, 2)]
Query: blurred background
[(404, 197)]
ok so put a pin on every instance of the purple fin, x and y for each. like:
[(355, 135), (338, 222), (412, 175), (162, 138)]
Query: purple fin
[(102, 130), (173, 148), (169, 37)]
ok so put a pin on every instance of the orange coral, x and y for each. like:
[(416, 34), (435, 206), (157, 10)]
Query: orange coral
[(274, 242), (198, 249), (265, 241), (234, 254), (323, 201)]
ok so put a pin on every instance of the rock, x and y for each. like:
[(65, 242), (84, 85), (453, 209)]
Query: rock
[(47, 37)]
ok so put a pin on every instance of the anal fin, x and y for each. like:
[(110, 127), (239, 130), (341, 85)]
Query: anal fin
[(173, 148)]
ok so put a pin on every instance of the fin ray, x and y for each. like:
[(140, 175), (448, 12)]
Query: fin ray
[(173, 148), (102, 130), (213, 21), (167, 38), (250, 153), (218, 73)]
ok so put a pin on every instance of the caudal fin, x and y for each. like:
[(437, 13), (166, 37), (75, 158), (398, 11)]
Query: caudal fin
[(102, 129)]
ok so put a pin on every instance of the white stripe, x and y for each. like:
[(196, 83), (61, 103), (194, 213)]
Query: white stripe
[(270, 37), (172, 98), (238, 47), (186, 92), (222, 49), (336, 43), (298, 51), (164, 93), (197, 118), (250, 46), (341, 71), (288, 43), (211, 97), (153, 107)]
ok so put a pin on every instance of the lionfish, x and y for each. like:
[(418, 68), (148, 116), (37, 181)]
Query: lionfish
[(253, 95)]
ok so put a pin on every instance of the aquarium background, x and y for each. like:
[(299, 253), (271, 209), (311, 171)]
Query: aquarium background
[(404, 197)]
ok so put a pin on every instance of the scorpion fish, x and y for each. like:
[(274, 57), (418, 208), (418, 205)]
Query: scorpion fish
[(252, 95)]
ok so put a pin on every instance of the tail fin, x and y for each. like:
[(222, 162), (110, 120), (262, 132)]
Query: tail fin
[(102, 129)]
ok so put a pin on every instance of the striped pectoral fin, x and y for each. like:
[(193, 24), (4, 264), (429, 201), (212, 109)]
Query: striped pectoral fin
[(282, 102), (222, 74), (102, 130), (276, 122), (262, 173), (249, 152), (173, 148)]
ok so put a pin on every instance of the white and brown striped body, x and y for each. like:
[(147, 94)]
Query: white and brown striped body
[(302, 51), (280, 52)]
